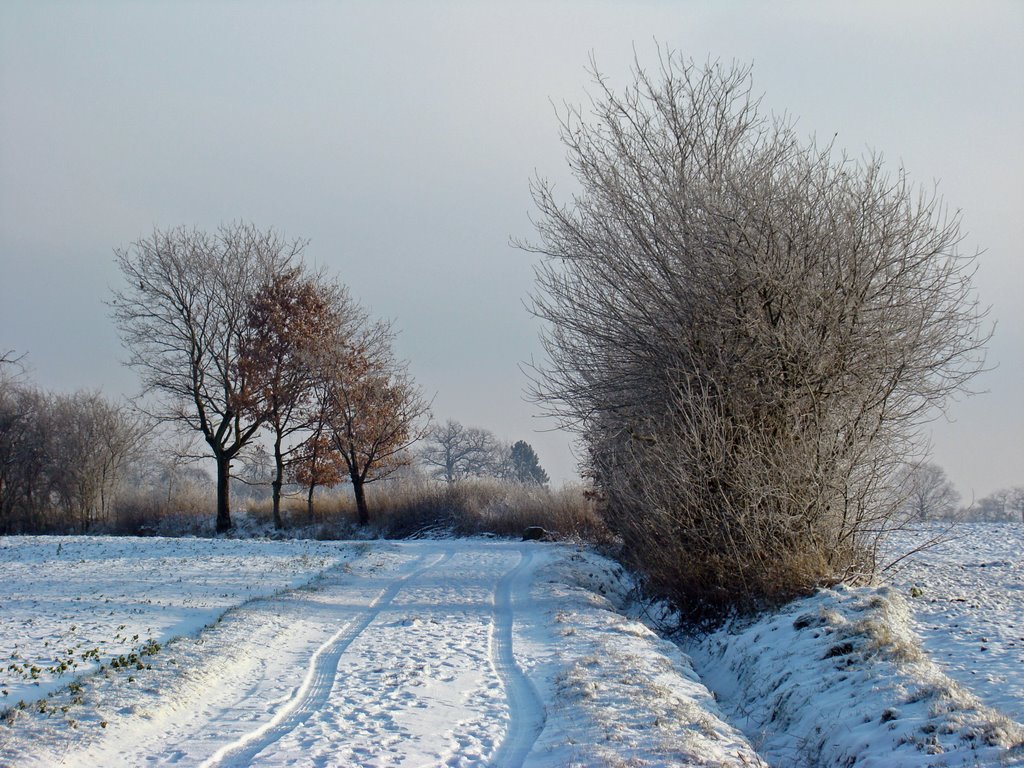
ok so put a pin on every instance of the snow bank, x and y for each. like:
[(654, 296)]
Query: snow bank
[(840, 679), (617, 693)]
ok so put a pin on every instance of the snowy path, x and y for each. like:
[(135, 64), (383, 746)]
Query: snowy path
[(440, 653), (525, 706), (316, 688), (407, 677), (485, 653)]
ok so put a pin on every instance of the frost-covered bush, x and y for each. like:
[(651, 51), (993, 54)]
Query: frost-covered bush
[(745, 329)]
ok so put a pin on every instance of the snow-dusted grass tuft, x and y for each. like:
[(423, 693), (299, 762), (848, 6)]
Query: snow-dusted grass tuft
[(840, 678)]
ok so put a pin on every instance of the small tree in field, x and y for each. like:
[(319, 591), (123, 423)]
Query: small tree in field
[(525, 466), (746, 330), (183, 315), (928, 493), (317, 464), (288, 318), (373, 410)]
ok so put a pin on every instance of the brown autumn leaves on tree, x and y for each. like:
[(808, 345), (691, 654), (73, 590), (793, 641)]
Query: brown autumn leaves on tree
[(316, 465), (374, 411), (288, 318), (232, 335)]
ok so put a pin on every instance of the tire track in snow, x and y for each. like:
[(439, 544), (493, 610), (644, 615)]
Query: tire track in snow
[(316, 687), (525, 708)]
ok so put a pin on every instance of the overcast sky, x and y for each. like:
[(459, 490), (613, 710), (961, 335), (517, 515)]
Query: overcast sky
[(400, 138)]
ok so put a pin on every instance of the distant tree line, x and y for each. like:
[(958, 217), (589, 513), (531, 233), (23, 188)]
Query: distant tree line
[(63, 458), (1004, 504), (82, 463), (929, 495), (452, 452)]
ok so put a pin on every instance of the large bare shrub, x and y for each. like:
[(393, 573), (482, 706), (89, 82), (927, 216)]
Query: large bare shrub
[(745, 329)]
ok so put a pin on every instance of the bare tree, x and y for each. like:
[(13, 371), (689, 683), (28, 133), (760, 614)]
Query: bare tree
[(454, 452), (24, 495), (173, 464), (91, 444), (746, 330), (927, 492), (183, 317)]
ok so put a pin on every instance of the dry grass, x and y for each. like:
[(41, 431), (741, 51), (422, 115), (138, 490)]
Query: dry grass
[(400, 509), (467, 508), (150, 512)]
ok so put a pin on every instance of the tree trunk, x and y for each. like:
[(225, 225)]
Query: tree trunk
[(223, 493), (309, 502), (276, 485), (276, 494), (360, 492)]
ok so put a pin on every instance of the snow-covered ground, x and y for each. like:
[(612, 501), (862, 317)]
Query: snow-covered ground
[(926, 669), (69, 603), (967, 601), (414, 653), (475, 652)]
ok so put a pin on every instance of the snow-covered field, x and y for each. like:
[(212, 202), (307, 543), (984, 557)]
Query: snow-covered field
[(926, 669), (480, 652), (68, 604), (414, 653), (967, 601)]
